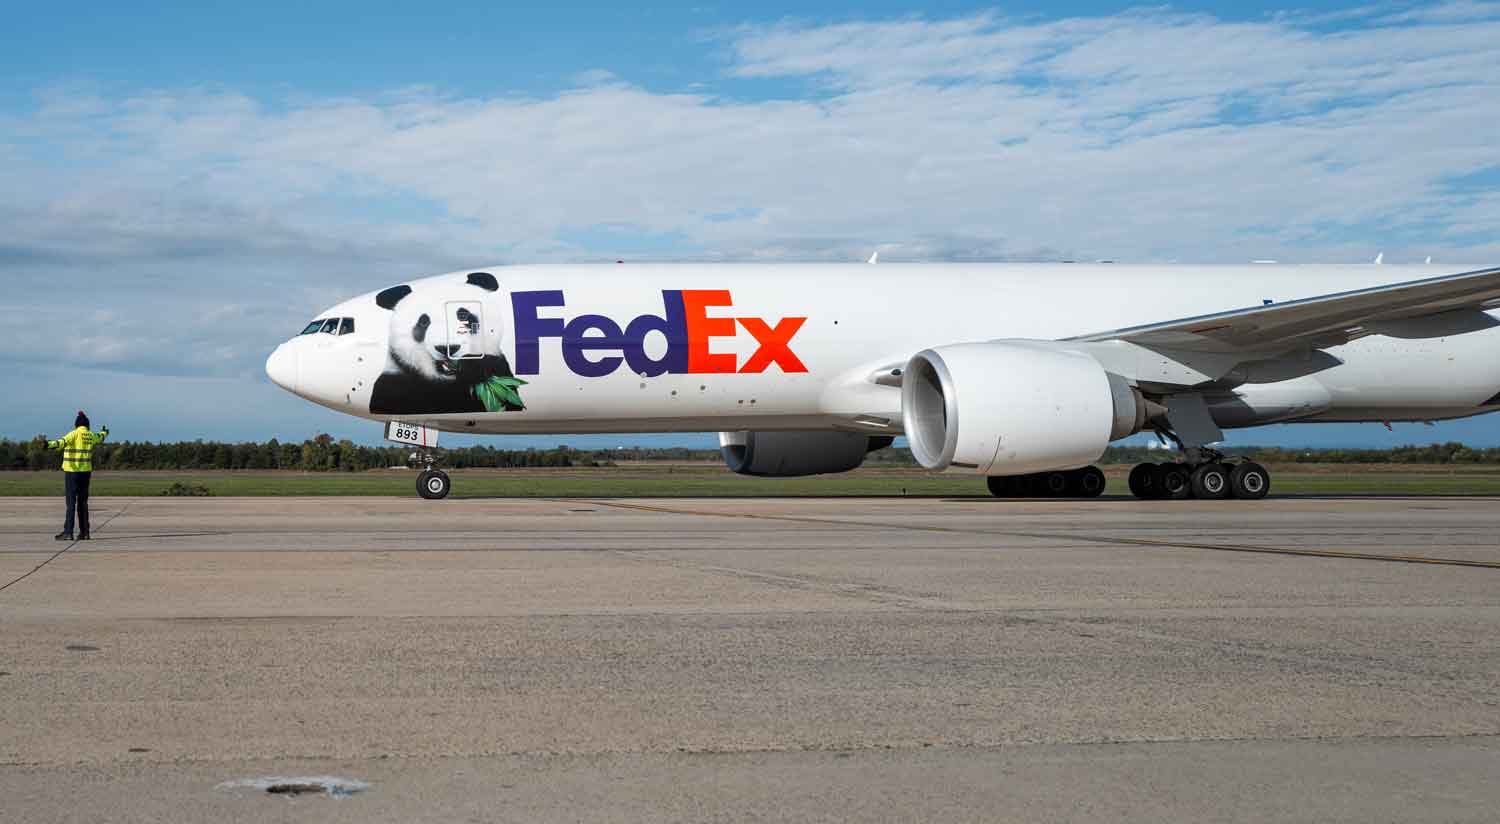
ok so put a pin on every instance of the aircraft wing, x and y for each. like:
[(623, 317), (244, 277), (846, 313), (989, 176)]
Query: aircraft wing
[(1326, 320)]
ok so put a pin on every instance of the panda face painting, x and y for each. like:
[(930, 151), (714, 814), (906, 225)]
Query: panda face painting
[(427, 348), (444, 351)]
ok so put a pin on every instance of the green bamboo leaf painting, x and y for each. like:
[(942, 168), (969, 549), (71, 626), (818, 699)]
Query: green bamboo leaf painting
[(499, 393)]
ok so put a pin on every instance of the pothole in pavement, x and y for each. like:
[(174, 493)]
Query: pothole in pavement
[(296, 789), (330, 786)]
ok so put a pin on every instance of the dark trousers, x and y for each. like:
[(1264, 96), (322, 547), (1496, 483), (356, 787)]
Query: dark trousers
[(77, 488)]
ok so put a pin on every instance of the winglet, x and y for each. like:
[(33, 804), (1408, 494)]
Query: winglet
[(874, 257), (1380, 258)]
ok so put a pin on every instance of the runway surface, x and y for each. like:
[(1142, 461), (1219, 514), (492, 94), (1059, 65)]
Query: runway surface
[(872, 659)]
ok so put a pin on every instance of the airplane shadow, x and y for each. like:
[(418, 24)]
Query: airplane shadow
[(1291, 496), (1307, 496)]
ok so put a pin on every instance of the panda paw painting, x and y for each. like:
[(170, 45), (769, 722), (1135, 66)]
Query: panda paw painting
[(444, 354)]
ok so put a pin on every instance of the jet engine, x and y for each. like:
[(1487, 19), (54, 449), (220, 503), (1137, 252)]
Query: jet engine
[(1013, 407), (787, 454)]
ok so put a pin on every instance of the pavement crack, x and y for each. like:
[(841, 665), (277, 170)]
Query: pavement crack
[(866, 592), (789, 749), (1308, 552)]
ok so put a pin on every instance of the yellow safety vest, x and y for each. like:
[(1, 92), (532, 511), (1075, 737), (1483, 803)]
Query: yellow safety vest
[(78, 448)]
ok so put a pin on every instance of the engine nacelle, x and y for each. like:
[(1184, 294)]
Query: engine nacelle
[(788, 454), (1012, 407)]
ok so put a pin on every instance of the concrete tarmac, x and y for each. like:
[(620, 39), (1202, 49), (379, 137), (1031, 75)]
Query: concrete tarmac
[(741, 659)]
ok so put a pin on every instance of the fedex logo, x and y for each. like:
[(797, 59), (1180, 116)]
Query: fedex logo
[(595, 345)]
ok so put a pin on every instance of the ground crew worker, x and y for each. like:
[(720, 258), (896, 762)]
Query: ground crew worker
[(78, 467)]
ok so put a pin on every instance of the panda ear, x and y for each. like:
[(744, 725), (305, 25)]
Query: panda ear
[(485, 281), (388, 298)]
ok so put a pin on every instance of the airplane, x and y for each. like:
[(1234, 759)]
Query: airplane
[(1020, 373)]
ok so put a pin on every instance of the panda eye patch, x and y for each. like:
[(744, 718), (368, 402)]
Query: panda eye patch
[(419, 332), (424, 321), (388, 298)]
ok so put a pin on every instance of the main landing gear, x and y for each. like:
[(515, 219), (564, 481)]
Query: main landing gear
[(1087, 482), (432, 484), (1211, 480)]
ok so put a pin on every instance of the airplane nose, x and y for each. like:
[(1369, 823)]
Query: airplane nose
[(284, 368)]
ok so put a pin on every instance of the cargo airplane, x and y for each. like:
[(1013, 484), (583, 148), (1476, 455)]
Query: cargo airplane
[(1021, 373)]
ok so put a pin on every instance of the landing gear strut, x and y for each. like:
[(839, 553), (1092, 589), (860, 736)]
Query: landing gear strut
[(1087, 482), (432, 484)]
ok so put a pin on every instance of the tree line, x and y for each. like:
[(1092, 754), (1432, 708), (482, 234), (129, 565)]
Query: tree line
[(324, 454), (318, 454)]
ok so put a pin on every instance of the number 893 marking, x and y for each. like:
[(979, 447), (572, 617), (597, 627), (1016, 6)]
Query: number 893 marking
[(406, 432)]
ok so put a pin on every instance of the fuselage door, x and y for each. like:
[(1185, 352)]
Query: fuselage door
[(465, 329)]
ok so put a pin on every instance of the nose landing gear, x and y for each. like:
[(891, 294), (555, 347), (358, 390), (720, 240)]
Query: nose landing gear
[(432, 484)]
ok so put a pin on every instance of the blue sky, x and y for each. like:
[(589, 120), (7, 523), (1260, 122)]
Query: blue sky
[(208, 174), (273, 49), (336, 48)]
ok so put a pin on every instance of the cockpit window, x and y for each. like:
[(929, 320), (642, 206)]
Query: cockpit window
[(330, 326)]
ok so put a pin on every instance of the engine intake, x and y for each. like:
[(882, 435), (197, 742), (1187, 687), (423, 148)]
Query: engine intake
[(789, 454), (1012, 407)]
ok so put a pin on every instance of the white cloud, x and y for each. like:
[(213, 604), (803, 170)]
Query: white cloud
[(1144, 135), (1450, 12)]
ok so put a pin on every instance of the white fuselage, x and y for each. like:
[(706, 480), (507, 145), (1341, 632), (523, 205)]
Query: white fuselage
[(861, 321)]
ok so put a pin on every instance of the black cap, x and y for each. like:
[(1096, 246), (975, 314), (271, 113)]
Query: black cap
[(81, 420)]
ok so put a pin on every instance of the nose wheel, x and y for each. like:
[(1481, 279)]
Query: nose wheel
[(433, 484)]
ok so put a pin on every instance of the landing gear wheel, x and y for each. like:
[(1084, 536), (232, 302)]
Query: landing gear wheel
[(433, 484), (1025, 486), (1088, 482), (1210, 482), (1143, 481), (1002, 486), (1250, 481), (1173, 482), (1052, 484)]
